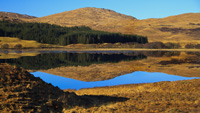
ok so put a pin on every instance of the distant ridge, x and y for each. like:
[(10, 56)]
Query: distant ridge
[(111, 21), (96, 18), (186, 25), (14, 17)]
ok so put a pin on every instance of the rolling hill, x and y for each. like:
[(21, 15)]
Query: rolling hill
[(14, 17), (184, 28), (186, 25), (180, 28), (95, 18)]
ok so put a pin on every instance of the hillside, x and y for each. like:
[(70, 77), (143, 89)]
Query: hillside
[(179, 28), (95, 18), (21, 92), (14, 17), (182, 28), (16, 43), (54, 34), (108, 20)]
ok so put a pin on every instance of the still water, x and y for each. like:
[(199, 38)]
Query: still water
[(45, 60), (51, 59), (132, 78)]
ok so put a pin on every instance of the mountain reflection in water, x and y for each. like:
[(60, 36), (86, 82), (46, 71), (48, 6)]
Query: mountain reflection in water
[(132, 78)]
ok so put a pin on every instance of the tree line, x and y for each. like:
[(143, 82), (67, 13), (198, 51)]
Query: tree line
[(54, 34)]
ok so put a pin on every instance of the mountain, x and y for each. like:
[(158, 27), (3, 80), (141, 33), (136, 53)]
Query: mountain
[(184, 28), (14, 17), (95, 18), (163, 29)]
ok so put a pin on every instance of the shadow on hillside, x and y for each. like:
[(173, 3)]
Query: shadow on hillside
[(88, 101)]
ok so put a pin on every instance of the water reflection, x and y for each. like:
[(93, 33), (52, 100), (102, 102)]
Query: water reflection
[(132, 78), (52, 59)]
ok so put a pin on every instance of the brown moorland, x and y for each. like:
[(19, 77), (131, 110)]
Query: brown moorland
[(96, 18), (183, 28), (22, 92), (108, 20), (14, 17), (161, 97), (16, 43)]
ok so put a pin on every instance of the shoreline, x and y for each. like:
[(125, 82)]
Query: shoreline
[(95, 49)]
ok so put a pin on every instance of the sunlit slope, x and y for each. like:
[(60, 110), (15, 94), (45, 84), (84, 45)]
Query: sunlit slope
[(108, 20), (96, 18), (14, 17), (12, 42), (179, 28)]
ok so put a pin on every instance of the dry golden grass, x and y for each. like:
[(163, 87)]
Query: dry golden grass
[(92, 17), (169, 97), (150, 28), (20, 92), (15, 55), (11, 41), (107, 20), (15, 15), (83, 48)]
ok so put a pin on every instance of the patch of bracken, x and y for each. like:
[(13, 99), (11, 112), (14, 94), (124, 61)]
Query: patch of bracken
[(22, 92)]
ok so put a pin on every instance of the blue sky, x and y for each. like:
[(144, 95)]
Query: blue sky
[(141, 9)]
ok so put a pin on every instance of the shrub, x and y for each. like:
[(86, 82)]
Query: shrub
[(18, 46), (190, 46), (139, 46), (5, 46), (197, 46), (154, 45), (170, 45)]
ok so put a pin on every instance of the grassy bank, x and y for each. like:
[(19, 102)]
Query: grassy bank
[(14, 55), (16, 43), (128, 49), (165, 97), (57, 48), (22, 92)]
